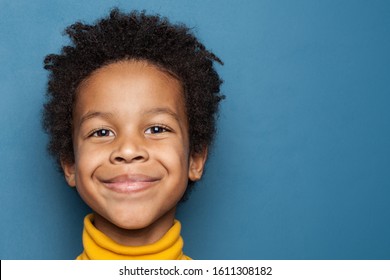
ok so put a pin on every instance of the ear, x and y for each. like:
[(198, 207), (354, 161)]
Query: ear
[(196, 165), (70, 173)]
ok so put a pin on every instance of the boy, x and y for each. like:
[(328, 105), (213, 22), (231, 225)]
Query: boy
[(130, 115)]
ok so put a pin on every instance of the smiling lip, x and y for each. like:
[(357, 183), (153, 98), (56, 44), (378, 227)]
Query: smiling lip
[(130, 183)]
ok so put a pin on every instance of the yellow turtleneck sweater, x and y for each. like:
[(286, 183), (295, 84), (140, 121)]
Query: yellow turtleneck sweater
[(98, 246)]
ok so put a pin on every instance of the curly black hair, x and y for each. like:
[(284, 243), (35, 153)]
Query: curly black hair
[(132, 36)]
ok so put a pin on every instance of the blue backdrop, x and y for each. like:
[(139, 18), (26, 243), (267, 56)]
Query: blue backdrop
[(301, 165)]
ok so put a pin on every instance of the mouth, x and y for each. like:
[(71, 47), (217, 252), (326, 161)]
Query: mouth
[(130, 183)]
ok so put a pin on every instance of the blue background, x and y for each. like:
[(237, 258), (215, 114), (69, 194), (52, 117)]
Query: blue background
[(301, 165)]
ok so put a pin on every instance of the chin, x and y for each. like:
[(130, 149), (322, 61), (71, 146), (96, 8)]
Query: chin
[(132, 223), (133, 226)]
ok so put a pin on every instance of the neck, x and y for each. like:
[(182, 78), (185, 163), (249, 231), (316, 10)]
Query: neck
[(136, 237)]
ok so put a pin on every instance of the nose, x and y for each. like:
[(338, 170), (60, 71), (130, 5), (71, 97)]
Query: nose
[(129, 149)]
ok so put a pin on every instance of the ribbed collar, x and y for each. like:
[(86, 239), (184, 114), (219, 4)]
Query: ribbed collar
[(98, 246)]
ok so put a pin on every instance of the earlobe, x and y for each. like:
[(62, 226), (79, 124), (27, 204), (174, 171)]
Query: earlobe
[(196, 165), (69, 172)]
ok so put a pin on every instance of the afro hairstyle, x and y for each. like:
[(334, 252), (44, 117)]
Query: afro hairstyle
[(131, 36)]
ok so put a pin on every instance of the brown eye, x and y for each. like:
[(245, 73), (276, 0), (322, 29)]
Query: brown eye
[(156, 129), (102, 133)]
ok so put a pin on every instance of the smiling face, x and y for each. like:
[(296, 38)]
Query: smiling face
[(131, 147)]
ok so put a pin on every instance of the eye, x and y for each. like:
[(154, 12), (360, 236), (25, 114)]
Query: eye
[(157, 129), (102, 133)]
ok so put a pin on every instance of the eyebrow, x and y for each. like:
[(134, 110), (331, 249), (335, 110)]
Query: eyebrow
[(106, 115), (162, 110), (95, 114)]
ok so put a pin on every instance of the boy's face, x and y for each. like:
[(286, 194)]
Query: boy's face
[(131, 145)]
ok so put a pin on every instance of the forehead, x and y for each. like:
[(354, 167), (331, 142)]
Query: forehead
[(129, 69), (129, 82)]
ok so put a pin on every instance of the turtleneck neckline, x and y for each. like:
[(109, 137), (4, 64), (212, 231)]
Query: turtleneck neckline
[(99, 246)]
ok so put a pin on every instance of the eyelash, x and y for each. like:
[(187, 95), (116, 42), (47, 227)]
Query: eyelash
[(94, 132), (162, 127), (159, 126)]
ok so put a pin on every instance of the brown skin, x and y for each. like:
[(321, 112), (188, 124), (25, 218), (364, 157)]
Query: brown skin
[(131, 147)]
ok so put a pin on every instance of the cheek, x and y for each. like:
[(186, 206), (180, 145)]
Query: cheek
[(173, 154), (88, 157)]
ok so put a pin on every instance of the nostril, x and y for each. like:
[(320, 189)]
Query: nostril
[(122, 159), (119, 159), (138, 158), (127, 154)]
